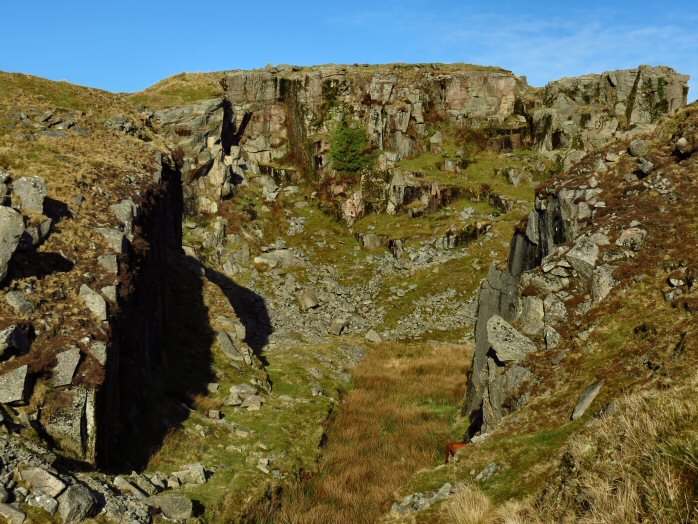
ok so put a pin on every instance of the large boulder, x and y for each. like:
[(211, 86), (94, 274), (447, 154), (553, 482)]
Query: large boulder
[(76, 504), (508, 344), (39, 478), (67, 363), (582, 257), (228, 346), (173, 506), (586, 398), (31, 191), (94, 302), (602, 282), (13, 385), (11, 229), (67, 417), (307, 299)]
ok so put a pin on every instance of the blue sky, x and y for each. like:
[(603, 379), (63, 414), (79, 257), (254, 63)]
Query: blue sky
[(129, 45)]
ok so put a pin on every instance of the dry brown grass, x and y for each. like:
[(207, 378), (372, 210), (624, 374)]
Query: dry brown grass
[(393, 423), (469, 506), (204, 403), (637, 465)]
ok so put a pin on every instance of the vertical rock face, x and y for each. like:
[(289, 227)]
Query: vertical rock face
[(585, 112), (493, 377), (197, 131), (134, 357), (285, 116), (104, 421), (276, 111)]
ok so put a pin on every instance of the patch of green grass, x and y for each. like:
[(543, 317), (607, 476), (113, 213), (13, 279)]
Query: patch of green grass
[(178, 90)]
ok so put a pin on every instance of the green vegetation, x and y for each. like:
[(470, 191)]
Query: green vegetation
[(349, 148)]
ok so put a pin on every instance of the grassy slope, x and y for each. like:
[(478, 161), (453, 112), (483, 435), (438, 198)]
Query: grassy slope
[(178, 90), (632, 347)]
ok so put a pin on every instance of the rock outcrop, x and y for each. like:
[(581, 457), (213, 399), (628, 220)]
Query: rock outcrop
[(278, 122)]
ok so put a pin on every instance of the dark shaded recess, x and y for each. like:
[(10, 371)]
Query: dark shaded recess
[(230, 136), (160, 355), (299, 144), (56, 210), (250, 308), (25, 264), (133, 414)]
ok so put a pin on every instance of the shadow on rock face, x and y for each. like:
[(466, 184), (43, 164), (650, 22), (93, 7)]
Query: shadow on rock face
[(153, 398), (250, 308)]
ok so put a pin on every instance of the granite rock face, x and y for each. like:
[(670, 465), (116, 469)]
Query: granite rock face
[(268, 115), (587, 111), (11, 229)]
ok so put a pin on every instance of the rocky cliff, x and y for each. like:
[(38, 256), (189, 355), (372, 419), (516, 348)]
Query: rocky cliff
[(84, 244), (114, 345), (588, 230), (279, 122)]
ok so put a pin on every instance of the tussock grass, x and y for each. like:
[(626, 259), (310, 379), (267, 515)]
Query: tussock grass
[(391, 424), (637, 465)]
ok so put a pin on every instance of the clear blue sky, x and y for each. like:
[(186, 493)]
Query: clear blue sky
[(128, 45)]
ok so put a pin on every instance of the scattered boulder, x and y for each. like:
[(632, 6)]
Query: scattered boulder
[(486, 473), (194, 474), (13, 338), (372, 241), (115, 239), (307, 299), (508, 344), (637, 148), (12, 514), (127, 487), (20, 303), (338, 325), (98, 350), (173, 506), (94, 302), (39, 499), (65, 368), (582, 257), (282, 258), (109, 262), (31, 191), (373, 336), (125, 212), (243, 390), (11, 230), (532, 315), (13, 385), (586, 398), (632, 238), (228, 347), (39, 478), (602, 282), (252, 403), (552, 338), (76, 504)]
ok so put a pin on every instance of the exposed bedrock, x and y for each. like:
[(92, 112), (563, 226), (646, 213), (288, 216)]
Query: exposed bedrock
[(556, 218), (106, 420), (277, 122)]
